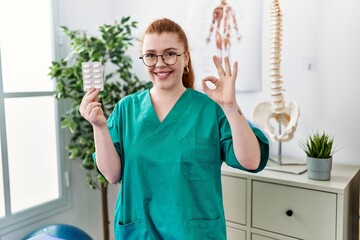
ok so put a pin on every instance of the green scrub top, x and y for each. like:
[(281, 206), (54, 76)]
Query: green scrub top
[(171, 170)]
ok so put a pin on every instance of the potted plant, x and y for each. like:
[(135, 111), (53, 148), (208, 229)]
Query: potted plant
[(109, 48), (319, 149)]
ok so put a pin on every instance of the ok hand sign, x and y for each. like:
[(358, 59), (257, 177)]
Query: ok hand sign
[(224, 91)]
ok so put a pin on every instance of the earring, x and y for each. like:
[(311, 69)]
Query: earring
[(186, 70)]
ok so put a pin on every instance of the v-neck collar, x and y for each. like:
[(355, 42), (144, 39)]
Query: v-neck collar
[(151, 116)]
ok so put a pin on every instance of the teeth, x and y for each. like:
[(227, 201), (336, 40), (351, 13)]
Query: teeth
[(162, 74)]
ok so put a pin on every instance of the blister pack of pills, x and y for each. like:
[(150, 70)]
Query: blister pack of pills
[(92, 73)]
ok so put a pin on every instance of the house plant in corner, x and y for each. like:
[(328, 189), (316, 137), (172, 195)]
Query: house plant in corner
[(109, 48), (319, 149)]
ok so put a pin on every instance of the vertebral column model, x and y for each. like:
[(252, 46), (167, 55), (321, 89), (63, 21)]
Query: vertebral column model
[(284, 114)]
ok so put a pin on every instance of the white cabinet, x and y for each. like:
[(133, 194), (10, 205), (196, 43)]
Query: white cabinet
[(294, 211), (234, 233), (280, 206), (235, 188), (258, 237)]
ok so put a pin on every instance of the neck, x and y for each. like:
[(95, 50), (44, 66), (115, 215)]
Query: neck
[(166, 95)]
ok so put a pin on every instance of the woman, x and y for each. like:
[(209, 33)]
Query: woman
[(166, 145)]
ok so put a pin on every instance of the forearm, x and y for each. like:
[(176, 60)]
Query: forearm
[(245, 143), (107, 159)]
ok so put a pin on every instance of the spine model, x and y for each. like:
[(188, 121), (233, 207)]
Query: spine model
[(277, 97), (277, 118)]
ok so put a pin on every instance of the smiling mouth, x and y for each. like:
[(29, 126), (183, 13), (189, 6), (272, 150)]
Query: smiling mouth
[(163, 74)]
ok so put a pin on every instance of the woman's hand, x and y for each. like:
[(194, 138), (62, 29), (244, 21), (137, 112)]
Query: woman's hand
[(224, 91), (90, 108)]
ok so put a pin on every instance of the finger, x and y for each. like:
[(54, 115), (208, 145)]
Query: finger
[(96, 98), (213, 80), (94, 112), (94, 104), (92, 93), (227, 66), (235, 67), (90, 96), (90, 108), (205, 87), (215, 84), (217, 62)]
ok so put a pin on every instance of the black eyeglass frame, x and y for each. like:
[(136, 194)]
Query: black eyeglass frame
[(162, 56)]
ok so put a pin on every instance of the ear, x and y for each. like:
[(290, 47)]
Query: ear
[(187, 58)]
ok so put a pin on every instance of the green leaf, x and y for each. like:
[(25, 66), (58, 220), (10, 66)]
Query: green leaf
[(65, 122), (73, 152), (72, 126), (125, 19), (318, 145), (88, 165)]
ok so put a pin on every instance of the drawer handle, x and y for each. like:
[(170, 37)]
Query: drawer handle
[(289, 213)]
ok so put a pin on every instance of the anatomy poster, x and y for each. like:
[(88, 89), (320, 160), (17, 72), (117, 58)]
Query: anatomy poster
[(227, 28)]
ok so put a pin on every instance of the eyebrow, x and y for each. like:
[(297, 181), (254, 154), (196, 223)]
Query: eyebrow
[(164, 50)]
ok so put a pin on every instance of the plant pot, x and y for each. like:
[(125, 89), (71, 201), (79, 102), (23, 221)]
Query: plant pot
[(319, 168)]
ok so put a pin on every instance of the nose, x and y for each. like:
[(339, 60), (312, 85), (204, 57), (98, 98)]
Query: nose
[(160, 61)]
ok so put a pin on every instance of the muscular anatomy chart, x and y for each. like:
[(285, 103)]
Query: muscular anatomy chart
[(231, 28), (223, 23)]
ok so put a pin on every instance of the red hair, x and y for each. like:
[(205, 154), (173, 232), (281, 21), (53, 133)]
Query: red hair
[(168, 26)]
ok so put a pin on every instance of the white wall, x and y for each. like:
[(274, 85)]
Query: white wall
[(329, 98), (328, 30)]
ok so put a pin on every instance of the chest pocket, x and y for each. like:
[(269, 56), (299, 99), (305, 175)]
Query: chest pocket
[(200, 158)]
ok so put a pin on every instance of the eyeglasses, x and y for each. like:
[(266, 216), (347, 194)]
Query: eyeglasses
[(151, 59)]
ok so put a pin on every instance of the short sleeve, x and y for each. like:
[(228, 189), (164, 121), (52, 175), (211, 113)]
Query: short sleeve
[(113, 124), (226, 143)]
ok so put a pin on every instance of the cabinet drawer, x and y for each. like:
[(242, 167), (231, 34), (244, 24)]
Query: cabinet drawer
[(280, 237), (293, 211), (234, 195), (259, 237), (235, 234)]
